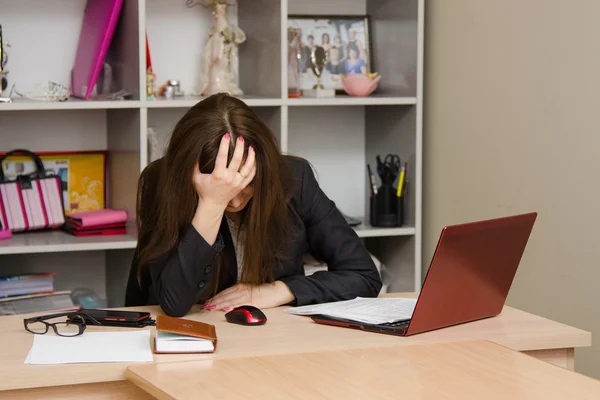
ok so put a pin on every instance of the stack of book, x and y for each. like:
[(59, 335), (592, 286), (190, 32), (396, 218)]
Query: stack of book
[(93, 223), (20, 294)]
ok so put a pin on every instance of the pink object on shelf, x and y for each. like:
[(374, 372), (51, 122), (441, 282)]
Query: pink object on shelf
[(5, 234), (97, 218), (360, 85), (99, 22)]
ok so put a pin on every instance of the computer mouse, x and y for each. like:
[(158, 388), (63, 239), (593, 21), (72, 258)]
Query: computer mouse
[(246, 315)]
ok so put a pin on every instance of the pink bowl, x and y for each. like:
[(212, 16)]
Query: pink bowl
[(360, 85)]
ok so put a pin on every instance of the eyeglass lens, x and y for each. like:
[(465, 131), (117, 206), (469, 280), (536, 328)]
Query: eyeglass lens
[(67, 328), (37, 327)]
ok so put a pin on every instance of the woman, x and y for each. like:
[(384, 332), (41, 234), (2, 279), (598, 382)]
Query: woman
[(337, 43), (225, 219), (353, 64), (326, 42), (334, 66)]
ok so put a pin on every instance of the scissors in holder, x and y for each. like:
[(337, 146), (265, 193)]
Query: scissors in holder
[(391, 166)]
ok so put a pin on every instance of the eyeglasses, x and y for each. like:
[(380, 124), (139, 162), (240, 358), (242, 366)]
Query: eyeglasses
[(74, 325)]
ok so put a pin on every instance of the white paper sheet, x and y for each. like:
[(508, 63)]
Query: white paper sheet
[(92, 347), (366, 310)]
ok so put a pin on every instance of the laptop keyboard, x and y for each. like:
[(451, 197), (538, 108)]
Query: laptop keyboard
[(398, 324)]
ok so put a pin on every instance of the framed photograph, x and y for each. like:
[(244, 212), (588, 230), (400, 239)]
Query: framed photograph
[(82, 175), (345, 39)]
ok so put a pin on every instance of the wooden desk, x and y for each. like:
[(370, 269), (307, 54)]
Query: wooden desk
[(452, 371), (283, 334)]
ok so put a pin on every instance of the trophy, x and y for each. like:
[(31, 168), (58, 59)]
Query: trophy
[(318, 60)]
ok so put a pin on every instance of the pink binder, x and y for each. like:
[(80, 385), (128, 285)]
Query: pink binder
[(99, 22)]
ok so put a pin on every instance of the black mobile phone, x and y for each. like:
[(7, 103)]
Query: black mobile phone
[(136, 319)]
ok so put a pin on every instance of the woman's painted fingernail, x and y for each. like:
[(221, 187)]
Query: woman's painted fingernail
[(241, 139), (210, 307), (227, 309), (252, 148), (227, 136)]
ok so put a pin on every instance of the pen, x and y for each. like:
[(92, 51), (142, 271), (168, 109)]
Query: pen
[(372, 180), (399, 193)]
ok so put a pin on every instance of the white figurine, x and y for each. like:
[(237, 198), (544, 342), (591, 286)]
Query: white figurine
[(219, 71)]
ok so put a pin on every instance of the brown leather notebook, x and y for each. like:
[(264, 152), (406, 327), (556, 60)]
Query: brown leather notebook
[(177, 335)]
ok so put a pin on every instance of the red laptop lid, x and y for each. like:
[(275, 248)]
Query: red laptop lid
[(471, 272)]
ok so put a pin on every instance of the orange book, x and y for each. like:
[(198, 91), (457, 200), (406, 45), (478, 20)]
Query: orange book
[(177, 335)]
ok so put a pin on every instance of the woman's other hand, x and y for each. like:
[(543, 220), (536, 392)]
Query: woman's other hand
[(268, 295), (225, 181)]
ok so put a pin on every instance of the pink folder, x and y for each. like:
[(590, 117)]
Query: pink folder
[(95, 218), (99, 22)]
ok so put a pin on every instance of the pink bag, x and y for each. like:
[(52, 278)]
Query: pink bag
[(30, 201)]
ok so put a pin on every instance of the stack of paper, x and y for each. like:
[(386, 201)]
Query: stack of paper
[(365, 310), (167, 342), (92, 347)]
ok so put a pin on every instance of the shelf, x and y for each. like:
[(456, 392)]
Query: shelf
[(343, 100), (255, 101), (189, 101), (58, 241), (366, 231), (75, 104)]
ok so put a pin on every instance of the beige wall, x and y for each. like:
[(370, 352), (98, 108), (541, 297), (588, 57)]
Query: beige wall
[(512, 124)]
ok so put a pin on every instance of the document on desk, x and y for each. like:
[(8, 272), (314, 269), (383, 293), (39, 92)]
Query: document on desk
[(92, 347), (365, 310)]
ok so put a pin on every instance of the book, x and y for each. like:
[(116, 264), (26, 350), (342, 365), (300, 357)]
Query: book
[(178, 335), (18, 285), (97, 218), (99, 23), (53, 302), (96, 223)]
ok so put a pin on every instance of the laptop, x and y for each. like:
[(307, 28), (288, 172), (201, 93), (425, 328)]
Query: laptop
[(469, 277)]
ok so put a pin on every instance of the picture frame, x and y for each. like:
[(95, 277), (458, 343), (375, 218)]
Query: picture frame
[(347, 40), (83, 176)]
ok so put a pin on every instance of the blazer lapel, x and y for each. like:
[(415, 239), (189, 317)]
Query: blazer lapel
[(229, 254)]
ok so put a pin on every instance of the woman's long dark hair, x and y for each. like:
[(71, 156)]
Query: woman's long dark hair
[(167, 199)]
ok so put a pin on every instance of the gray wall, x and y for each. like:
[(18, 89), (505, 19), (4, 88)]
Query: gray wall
[(512, 99)]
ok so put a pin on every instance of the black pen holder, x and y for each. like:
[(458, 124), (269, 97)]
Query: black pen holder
[(386, 209)]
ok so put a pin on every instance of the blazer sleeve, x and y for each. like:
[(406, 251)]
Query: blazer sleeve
[(351, 270), (181, 279)]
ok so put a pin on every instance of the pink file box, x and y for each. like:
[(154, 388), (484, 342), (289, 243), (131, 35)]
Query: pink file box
[(99, 22)]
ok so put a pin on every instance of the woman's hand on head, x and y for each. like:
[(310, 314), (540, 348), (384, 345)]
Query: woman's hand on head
[(267, 295), (226, 181)]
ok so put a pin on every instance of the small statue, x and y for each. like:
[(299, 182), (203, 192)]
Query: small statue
[(3, 61), (219, 70)]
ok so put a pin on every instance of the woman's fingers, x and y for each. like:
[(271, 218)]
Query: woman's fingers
[(221, 161), (220, 295), (230, 303), (234, 296), (225, 301), (238, 154), (249, 177), (248, 166)]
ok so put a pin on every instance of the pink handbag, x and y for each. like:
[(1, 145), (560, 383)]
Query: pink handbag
[(30, 201)]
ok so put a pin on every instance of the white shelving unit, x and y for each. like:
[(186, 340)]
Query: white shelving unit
[(339, 136)]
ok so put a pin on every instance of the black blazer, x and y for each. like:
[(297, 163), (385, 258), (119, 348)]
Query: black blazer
[(180, 280)]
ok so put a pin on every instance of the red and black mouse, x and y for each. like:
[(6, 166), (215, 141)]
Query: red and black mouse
[(246, 315)]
